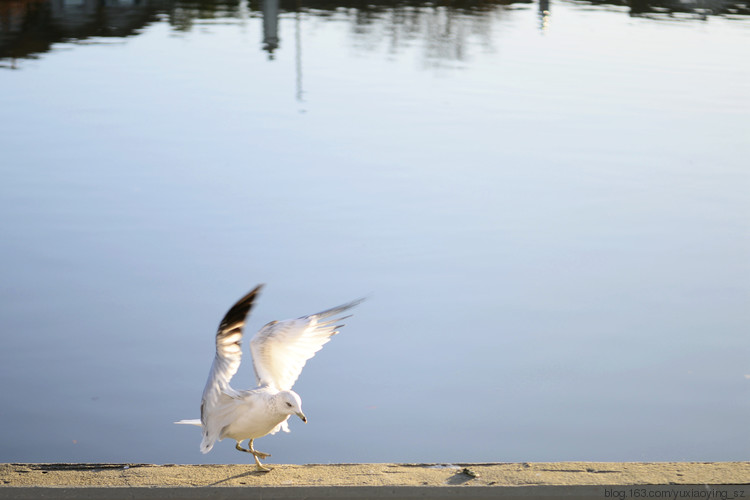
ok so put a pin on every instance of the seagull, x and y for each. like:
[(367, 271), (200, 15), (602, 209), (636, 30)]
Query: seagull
[(279, 351)]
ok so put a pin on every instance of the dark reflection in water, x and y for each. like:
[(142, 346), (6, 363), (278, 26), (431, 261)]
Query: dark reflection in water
[(31, 27)]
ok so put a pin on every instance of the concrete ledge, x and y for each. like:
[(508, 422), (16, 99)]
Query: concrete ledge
[(584, 480)]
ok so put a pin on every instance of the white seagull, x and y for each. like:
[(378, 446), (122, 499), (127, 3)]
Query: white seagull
[(279, 350)]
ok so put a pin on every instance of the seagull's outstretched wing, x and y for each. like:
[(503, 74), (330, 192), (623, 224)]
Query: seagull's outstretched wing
[(228, 352), (281, 348)]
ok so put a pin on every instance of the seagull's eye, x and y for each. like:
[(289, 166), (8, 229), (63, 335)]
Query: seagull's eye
[(289, 404)]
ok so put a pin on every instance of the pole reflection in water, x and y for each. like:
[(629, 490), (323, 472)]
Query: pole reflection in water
[(271, 39), (270, 26), (298, 53), (544, 15)]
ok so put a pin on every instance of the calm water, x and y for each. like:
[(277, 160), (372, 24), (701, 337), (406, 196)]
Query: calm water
[(546, 205)]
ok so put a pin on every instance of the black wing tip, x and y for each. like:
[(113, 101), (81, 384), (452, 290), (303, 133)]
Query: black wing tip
[(241, 308), (249, 296), (252, 293)]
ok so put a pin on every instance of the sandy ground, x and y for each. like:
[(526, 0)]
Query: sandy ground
[(504, 474)]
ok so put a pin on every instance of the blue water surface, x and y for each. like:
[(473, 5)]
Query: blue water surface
[(546, 206)]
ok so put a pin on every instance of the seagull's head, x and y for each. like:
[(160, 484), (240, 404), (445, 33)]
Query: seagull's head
[(290, 403)]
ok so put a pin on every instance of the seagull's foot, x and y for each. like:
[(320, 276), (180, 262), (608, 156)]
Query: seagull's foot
[(261, 468)]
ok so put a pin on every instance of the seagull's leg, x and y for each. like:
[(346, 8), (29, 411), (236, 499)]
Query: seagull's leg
[(256, 454)]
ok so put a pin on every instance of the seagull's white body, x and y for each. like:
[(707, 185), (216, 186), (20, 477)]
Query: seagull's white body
[(249, 415), (280, 350)]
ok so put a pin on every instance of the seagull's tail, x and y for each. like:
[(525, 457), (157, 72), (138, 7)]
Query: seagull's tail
[(193, 421), (208, 441)]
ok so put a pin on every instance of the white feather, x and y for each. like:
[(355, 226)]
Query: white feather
[(281, 348)]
